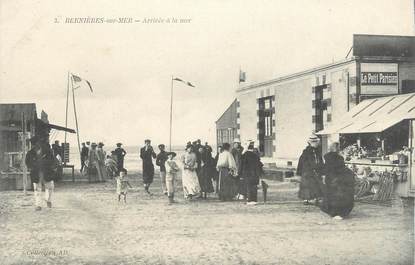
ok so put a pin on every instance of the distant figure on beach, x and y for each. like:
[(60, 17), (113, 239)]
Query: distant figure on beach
[(122, 185), (338, 193), (309, 168), (120, 153), (147, 154), (191, 187), (160, 161), (171, 172), (94, 170), (84, 156), (41, 163), (228, 184), (101, 159)]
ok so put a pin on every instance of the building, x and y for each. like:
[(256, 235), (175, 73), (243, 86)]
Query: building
[(281, 113), (18, 123), (226, 126)]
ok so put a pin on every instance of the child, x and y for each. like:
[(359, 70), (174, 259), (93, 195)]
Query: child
[(171, 171), (122, 185)]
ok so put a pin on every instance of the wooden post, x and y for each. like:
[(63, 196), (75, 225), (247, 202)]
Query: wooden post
[(66, 115), (171, 112), (24, 168), (76, 118)]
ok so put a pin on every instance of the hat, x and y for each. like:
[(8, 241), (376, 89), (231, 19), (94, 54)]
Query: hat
[(236, 140), (147, 141), (100, 144), (313, 138), (161, 146), (171, 153), (119, 144), (93, 144)]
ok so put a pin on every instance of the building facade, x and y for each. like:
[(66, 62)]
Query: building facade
[(282, 113), (226, 125)]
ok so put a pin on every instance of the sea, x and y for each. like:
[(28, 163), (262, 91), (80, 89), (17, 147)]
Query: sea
[(132, 161)]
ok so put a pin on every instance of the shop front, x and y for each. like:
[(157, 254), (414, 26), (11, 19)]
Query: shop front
[(377, 141)]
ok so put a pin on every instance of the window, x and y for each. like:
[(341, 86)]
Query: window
[(268, 124), (317, 81), (324, 80)]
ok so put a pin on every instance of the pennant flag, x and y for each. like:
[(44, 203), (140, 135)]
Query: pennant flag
[(242, 76), (185, 82), (77, 79)]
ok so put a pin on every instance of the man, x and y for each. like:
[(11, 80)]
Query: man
[(41, 163), (58, 154), (250, 170), (57, 149), (160, 161), (84, 156), (237, 154), (208, 148), (119, 152), (147, 154)]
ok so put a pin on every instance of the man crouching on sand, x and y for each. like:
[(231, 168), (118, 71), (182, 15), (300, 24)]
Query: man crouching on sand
[(41, 163)]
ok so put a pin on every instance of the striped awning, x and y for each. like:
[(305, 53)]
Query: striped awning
[(375, 115)]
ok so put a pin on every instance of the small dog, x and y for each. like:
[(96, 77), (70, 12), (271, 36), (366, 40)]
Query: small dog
[(122, 185)]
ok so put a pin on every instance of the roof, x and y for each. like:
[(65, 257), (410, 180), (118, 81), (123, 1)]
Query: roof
[(13, 112), (228, 118), (375, 115), (298, 74)]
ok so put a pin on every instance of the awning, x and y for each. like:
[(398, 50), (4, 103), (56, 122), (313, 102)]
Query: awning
[(375, 115), (57, 127)]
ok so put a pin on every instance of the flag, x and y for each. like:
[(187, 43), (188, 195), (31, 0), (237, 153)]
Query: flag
[(185, 82), (77, 79), (242, 76)]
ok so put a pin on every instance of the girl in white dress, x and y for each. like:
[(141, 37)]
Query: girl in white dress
[(190, 181)]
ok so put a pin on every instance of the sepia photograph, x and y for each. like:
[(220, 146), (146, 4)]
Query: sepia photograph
[(213, 132)]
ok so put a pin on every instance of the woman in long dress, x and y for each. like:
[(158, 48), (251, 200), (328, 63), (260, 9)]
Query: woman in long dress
[(190, 180), (309, 168), (338, 197), (94, 171), (207, 171), (228, 184)]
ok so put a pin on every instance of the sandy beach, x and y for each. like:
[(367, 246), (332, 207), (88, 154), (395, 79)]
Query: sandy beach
[(88, 226)]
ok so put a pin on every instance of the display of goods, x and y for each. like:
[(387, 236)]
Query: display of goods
[(386, 185)]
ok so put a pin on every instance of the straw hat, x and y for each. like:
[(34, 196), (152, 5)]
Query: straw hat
[(313, 138)]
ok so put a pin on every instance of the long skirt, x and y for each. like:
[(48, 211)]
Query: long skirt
[(228, 186), (190, 183), (205, 179), (148, 173), (310, 188), (338, 200)]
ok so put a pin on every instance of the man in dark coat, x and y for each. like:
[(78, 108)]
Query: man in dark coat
[(338, 197), (309, 168), (160, 161), (84, 156), (119, 152), (250, 171), (42, 165), (147, 154)]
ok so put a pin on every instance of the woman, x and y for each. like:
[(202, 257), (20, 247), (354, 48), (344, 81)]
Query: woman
[(207, 172), (171, 171), (94, 170), (309, 168), (147, 154), (228, 184), (338, 198), (190, 181), (101, 160)]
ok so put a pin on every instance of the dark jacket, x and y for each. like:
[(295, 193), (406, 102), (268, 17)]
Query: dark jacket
[(45, 162), (250, 168), (161, 160), (339, 189), (148, 167), (84, 152), (309, 168)]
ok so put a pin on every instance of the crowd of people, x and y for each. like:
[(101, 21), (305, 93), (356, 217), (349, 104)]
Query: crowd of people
[(234, 172)]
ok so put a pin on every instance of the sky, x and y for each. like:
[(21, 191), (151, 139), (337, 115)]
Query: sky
[(130, 65)]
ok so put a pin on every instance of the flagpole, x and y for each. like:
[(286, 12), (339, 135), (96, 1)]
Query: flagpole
[(76, 118), (66, 112), (171, 111)]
